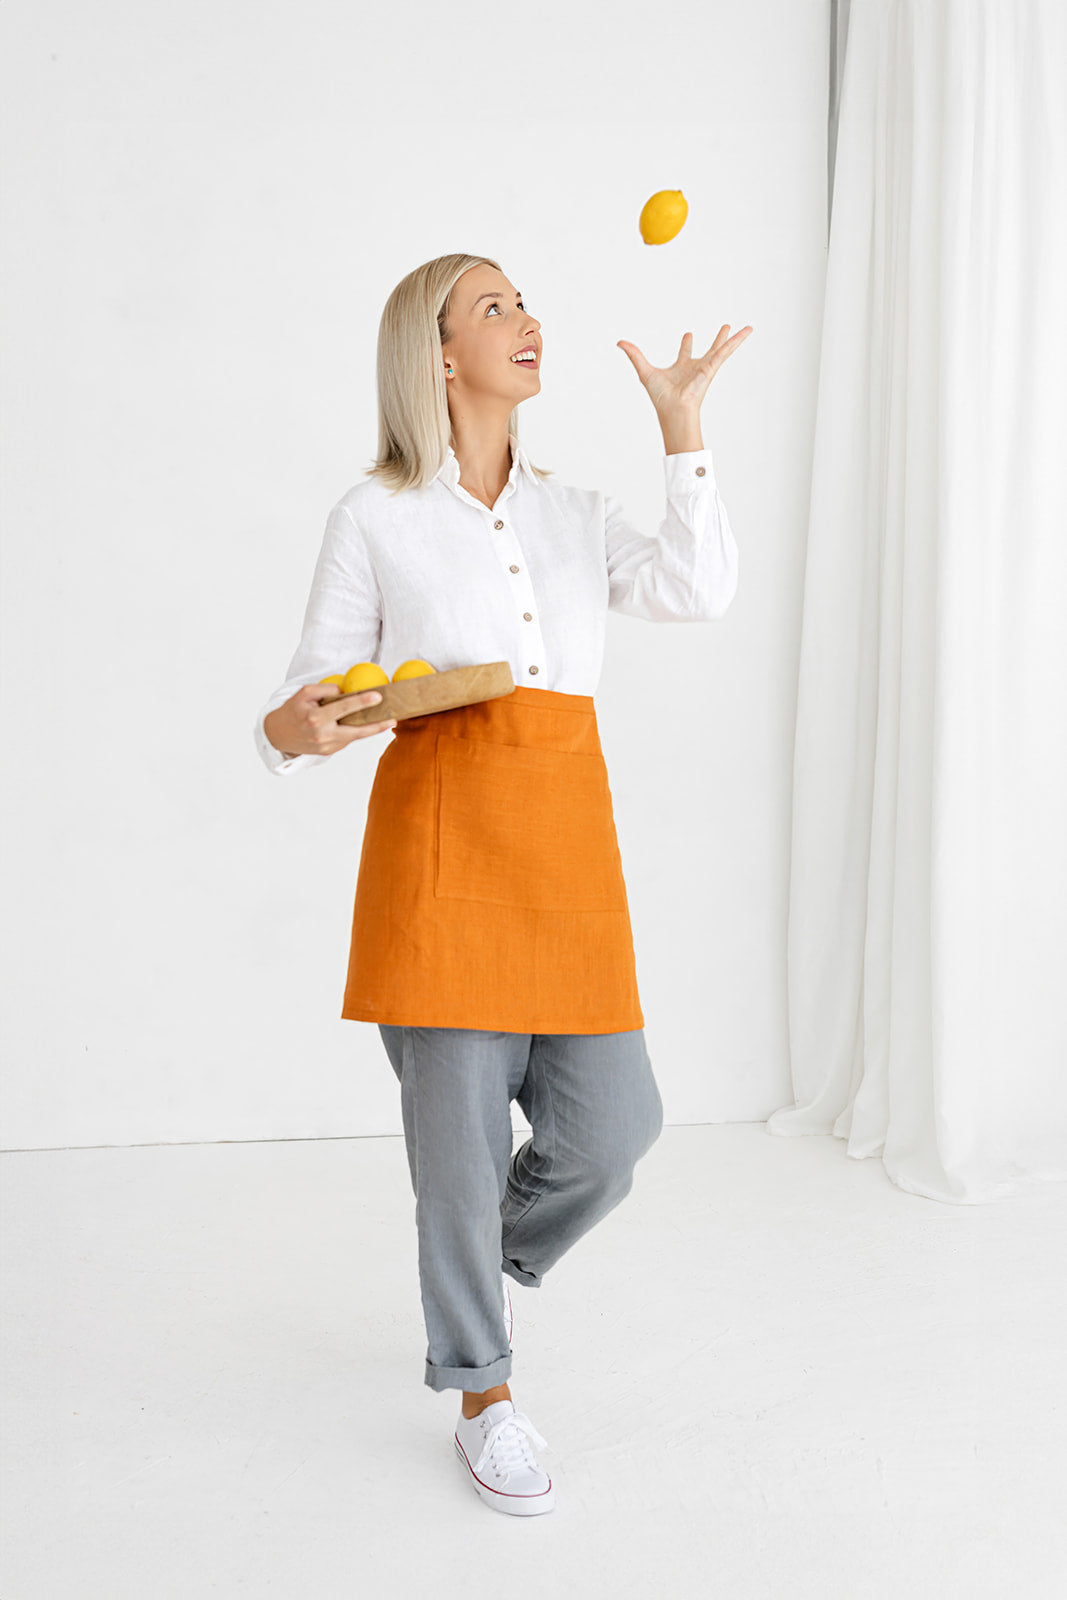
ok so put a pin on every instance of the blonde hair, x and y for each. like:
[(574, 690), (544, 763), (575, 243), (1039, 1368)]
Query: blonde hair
[(414, 427)]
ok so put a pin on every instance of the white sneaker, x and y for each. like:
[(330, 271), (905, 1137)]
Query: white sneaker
[(495, 1450), (509, 1318)]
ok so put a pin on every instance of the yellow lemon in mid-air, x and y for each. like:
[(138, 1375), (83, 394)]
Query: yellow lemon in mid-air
[(364, 675), (412, 669), (663, 216), (335, 677)]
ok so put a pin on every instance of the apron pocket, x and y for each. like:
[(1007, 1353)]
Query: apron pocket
[(521, 825)]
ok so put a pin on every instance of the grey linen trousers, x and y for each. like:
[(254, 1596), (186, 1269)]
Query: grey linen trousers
[(594, 1109)]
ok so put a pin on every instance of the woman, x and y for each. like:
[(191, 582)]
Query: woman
[(491, 940)]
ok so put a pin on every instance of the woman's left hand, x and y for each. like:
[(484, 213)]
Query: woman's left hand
[(684, 385)]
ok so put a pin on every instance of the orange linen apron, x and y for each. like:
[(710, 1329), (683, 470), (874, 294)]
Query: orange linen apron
[(490, 890)]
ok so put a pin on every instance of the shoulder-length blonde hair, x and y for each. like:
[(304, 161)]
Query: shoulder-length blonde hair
[(414, 427)]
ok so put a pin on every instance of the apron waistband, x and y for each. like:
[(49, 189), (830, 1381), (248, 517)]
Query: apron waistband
[(525, 716)]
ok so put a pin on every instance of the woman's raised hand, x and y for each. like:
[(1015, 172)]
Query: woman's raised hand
[(307, 725), (684, 385)]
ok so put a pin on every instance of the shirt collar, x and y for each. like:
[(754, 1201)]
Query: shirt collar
[(449, 471)]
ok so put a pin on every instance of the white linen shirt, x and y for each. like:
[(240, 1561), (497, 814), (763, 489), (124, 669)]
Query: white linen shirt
[(436, 574)]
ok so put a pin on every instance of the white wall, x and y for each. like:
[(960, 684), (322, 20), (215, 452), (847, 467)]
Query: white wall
[(205, 208)]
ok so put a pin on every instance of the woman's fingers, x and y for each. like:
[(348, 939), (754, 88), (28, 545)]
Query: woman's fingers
[(731, 345), (356, 702), (642, 366), (361, 697), (684, 363), (366, 728)]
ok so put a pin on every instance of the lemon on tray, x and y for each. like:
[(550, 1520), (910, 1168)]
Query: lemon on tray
[(412, 669), (364, 675)]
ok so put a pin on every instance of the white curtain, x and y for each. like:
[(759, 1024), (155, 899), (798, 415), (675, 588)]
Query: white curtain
[(928, 891)]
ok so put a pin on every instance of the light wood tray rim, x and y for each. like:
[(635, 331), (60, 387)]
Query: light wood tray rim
[(435, 691)]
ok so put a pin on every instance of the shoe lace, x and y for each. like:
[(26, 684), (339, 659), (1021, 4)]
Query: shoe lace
[(507, 1442)]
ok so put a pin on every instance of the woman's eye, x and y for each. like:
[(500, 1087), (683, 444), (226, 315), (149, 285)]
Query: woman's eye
[(496, 303)]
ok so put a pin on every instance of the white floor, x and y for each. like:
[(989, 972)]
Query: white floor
[(767, 1375)]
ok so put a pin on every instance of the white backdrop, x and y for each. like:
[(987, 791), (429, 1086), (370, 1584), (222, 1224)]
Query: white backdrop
[(205, 208)]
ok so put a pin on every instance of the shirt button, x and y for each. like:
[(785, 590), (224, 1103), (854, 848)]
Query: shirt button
[(498, 523), (527, 617), (513, 569), (700, 474), (533, 669)]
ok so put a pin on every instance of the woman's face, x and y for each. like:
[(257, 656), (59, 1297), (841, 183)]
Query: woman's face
[(491, 325)]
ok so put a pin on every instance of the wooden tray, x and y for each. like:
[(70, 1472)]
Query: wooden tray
[(435, 691)]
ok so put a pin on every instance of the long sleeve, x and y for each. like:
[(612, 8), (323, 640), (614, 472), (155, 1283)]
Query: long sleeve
[(688, 572), (342, 625)]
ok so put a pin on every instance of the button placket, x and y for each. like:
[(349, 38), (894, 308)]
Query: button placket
[(532, 645)]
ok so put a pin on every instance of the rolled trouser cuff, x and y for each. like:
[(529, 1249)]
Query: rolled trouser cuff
[(474, 1379)]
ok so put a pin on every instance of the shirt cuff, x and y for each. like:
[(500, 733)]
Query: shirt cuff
[(687, 470)]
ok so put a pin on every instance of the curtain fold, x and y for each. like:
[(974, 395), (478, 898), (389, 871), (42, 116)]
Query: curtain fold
[(928, 884)]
